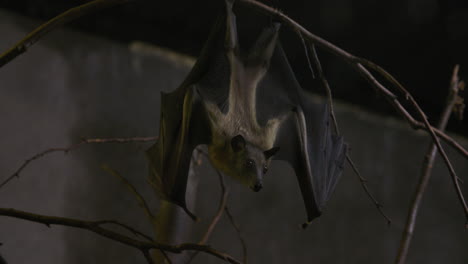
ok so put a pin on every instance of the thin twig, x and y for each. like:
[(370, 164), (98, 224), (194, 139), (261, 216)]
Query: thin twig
[(219, 213), (435, 138), (69, 149), (358, 65), (363, 181), (166, 257), (95, 226), (71, 14), (217, 216), (228, 213), (426, 172), (326, 85), (147, 255), (239, 233), (129, 228), (141, 201)]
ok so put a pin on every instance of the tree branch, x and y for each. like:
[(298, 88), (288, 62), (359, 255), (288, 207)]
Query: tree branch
[(239, 233), (219, 213), (23, 45), (141, 201), (426, 171), (70, 148), (95, 226), (228, 212), (357, 64), (217, 216), (128, 228), (326, 85)]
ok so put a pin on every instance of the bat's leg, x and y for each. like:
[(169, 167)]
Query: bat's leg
[(261, 52), (232, 41)]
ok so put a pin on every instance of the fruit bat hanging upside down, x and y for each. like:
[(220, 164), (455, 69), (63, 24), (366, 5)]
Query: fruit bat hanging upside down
[(249, 109)]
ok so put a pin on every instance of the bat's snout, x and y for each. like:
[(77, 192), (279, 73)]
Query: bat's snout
[(257, 187)]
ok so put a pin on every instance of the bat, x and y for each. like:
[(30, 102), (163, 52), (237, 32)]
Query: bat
[(249, 109)]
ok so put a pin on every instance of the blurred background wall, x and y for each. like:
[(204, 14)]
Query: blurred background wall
[(417, 40), (72, 85)]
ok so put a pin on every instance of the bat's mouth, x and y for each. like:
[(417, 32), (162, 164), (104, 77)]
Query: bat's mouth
[(257, 187)]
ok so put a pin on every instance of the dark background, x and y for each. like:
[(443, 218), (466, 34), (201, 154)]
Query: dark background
[(418, 41), (72, 85)]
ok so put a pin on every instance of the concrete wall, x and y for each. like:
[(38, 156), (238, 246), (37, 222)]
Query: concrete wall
[(72, 85)]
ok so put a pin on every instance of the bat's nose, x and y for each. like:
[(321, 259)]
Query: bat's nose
[(257, 187)]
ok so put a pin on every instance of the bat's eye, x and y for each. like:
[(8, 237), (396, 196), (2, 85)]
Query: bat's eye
[(250, 163), (265, 169)]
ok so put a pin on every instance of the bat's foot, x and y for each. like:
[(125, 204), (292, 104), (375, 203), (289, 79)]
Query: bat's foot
[(306, 224)]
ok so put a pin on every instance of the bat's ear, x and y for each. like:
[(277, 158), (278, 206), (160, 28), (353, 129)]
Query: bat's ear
[(238, 143), (271, 152)]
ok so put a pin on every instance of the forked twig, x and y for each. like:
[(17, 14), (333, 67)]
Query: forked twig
[(222, 207), (326, 85), (96, 227), (71, 14), (127, 227), (239, 233), (141, 201), (426, 172), (219, 212), (70, 148), (359, 65)]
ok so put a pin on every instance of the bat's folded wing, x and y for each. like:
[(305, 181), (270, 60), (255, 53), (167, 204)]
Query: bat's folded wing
[(305, 137), (184, 121), (317, 155), (183, 126)]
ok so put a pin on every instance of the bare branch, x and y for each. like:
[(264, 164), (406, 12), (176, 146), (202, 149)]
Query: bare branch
[(228, 213), (408, 96), (95, 226), (166, 257), (23, 45), (70, 148), (239, 233), (426, 172), (219, 213), (217, 216), (129, 228), (357, 64), (141, 201), (147, 255), (326, 85), (363, 181)]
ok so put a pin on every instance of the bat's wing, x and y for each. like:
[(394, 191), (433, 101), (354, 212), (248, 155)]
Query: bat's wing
[(184, 122), (183, 126), (317, 156), (305, 137)]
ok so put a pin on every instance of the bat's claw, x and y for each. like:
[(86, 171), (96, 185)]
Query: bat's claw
[(306, 224), (194, 217)]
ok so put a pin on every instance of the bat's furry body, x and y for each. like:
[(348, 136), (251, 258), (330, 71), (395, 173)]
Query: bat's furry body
[(249, 109), (241, 117)]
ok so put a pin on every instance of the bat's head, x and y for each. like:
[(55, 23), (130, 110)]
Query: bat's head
[(246, 162)]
